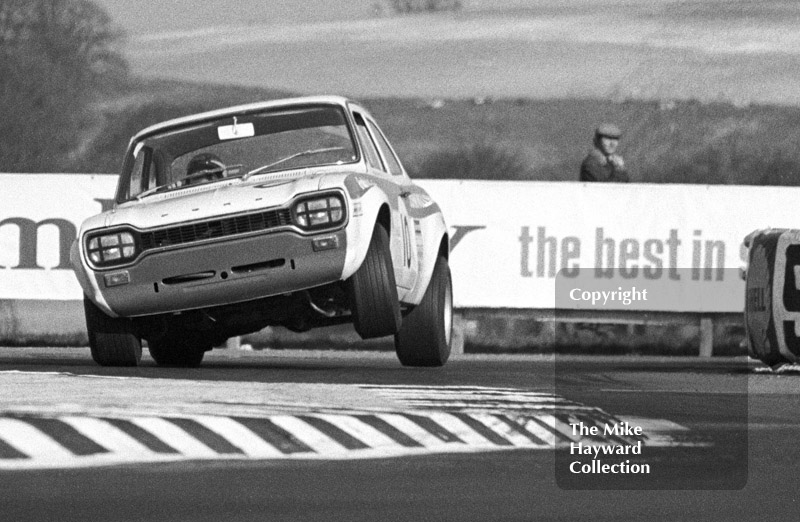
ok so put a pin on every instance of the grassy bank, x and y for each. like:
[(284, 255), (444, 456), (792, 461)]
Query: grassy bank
[(664, 142)]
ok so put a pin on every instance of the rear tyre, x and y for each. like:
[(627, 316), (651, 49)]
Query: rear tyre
[(424, 339), (373, 291), (112, 340), (182, 350)]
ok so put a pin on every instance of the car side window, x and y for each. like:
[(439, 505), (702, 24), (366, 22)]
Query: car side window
[(143, 173), (140, 172), (386, 150), (366, 141)]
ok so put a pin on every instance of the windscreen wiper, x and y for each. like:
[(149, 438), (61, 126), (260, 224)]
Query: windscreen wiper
[(287, 158)]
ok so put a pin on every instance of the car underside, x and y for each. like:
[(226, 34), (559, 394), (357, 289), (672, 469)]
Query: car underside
[(300, 311)]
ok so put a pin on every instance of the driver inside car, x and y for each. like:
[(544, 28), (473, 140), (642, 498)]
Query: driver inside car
[(203, 168)]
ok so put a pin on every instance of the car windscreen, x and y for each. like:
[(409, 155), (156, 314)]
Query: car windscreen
[(235, 146)]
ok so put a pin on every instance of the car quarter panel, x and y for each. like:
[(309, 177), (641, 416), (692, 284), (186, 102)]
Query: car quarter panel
[(366, 199), (430, 230), (81, 268), (88, 283)]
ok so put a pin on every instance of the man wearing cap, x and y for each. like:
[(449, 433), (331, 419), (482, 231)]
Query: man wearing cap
[(603, 163)]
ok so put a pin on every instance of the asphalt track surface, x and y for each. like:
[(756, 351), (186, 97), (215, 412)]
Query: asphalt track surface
[(736, 458)]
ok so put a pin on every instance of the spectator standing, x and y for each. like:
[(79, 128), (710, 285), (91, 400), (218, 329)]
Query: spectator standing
[(603, 163)]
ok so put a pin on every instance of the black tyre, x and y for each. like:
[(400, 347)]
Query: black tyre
[(373, 291), (112, 340), (183, 350), (424, 339), (759, 315)]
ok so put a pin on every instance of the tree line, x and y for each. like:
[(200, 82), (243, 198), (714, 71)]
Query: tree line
[(57, 57)]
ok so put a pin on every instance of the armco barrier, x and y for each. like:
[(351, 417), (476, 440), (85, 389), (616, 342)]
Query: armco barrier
[(43, 322), (509, 242)]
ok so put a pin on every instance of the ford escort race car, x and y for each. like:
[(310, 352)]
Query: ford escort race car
[(772, 296), (294, 213)]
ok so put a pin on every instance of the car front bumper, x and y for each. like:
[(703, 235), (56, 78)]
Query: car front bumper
[(223, 272)]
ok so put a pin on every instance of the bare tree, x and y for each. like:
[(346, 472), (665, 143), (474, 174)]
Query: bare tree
[(77, 34), (55, 57), (12, 22)]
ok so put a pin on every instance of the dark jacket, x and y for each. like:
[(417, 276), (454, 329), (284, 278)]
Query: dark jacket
[(597, 167)]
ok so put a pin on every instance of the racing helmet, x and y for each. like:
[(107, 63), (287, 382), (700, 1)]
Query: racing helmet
[(206, 161)]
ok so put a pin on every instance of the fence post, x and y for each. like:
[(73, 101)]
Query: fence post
[(234, 343), (706, 336), (457, 340)]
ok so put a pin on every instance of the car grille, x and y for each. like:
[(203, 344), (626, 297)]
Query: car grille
[(215, 228)]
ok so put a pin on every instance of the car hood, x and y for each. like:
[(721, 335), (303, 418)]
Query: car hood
[(197, 203)]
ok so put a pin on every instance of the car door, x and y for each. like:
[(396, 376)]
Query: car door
[(406, 256)]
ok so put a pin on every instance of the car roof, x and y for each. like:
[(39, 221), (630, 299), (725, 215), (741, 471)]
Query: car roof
[(241, 109)]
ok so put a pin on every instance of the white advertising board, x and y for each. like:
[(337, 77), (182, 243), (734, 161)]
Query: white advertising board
[(682, 243), (39, 218)]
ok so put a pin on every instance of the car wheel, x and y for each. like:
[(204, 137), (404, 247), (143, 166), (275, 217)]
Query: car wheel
[(424, 339), (112, 340), (373, 291), (759, 315), (183, 350)]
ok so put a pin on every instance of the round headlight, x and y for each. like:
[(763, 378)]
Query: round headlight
[(111, 248), (319, 212)]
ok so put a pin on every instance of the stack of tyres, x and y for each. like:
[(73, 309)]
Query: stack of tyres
[(772, 296)]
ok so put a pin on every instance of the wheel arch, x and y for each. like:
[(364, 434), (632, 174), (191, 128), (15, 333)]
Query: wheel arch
[(384, 219), (369, 210), (444, 246), (435, 229)]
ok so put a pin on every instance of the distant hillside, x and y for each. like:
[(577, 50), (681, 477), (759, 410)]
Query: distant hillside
[(676, 142), (711, 50), (157, 16)]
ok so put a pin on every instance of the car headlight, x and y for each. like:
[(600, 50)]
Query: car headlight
[(320, 212), (110, 249)]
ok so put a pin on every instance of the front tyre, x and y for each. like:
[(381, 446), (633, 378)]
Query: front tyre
[(424, 339), (112, 340), (372, 291)]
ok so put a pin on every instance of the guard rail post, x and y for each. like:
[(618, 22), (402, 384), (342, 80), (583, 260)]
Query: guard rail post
[(706, 336)]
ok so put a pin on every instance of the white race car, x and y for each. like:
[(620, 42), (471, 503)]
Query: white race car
[(772, 296), (292, 213)]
